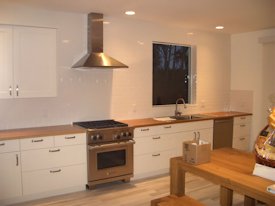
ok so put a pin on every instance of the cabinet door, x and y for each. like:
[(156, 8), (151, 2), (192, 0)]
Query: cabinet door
[(152, 164), (53, 157), (34, 61), (49, 180), (206, 135), (10, 175), (6, 69)]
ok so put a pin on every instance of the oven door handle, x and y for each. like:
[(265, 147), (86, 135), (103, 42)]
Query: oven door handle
[(130, 142)]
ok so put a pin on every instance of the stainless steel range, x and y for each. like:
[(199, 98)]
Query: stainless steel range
[(110, 151)]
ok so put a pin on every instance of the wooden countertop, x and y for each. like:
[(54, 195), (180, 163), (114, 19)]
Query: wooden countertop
[(40, 132), (72, 129), (206, 116)]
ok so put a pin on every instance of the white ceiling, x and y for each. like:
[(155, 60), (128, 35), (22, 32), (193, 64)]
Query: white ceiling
[(236, 16)]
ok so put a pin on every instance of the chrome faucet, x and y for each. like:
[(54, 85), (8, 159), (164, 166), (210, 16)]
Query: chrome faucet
[(177, 113)]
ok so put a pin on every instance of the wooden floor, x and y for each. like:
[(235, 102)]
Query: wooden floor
[(136, 193)]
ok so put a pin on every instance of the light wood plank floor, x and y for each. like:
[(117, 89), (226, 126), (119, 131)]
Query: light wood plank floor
[(136, 193)]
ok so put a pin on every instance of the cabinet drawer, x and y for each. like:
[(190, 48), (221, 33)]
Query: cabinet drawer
[(242, 119), (241, 130), (36, 143), (9, 146), (70, 139), (240, 143), (53, 157), (193, 126), (147, 131), (54, 179), (145, 145), (152, 163)]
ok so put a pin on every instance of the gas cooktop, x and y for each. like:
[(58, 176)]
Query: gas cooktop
[(101, 124)]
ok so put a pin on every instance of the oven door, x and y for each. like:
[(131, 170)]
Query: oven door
[(110, 160)]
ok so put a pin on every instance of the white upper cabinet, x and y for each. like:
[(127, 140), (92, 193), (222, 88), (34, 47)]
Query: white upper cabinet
[(29, 68), (6, 74)]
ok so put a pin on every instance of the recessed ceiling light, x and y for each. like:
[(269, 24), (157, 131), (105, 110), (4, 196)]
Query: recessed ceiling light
[(130, 13), (219, 27), (190, 33)]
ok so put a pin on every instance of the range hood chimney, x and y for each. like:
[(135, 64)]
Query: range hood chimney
[(95, 58)]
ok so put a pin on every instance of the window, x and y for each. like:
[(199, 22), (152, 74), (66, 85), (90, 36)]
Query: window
[(173, 73)]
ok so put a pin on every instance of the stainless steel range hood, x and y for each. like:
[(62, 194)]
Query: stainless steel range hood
[(95, 58)]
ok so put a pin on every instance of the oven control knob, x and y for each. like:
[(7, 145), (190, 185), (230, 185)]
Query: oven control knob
[(116, 137), (123, 134), (93, 137), (128, 134), (98, 137)]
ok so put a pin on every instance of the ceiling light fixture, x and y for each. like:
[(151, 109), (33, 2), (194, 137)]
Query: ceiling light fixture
[(130, 13), (219, 27), (190, 33)]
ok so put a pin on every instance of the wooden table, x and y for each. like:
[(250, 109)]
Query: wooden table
[(231, 169)]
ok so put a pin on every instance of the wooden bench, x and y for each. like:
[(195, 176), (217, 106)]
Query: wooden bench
[(173, 200)]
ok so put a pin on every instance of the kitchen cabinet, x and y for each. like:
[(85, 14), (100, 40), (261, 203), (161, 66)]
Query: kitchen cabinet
[(241, 132), (53, 163), (10, 170), (27, 62), (6, 74), (155, 145)]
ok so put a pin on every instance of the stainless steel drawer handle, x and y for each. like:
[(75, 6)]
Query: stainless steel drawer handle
[(2, 144), (38, 140), (54, 150), (243, 118), (71, 137), (242, 139), (55, 171), (156, 137), (10, 91), (143, 130), (156, 155), (17, 160), (17, 90), (242, 125), (167, 127)]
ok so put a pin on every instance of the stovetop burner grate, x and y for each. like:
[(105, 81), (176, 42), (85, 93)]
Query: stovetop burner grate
[(101, 124)]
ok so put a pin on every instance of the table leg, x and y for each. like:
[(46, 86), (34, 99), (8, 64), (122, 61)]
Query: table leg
[(226, 196), (177, 178), (248, 201)]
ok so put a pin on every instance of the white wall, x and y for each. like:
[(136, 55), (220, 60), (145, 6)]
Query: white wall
[(250, 71), (121, 93)]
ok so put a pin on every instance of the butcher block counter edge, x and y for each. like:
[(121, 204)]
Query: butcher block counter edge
[(40, 132), (208, 116), (73, 129)]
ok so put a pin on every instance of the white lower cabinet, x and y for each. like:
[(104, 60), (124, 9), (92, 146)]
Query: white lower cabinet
[(53, 163), (10, 175), (155, 145), (53, 157), (39, 181), (10, 170), (37, 167), (152, 164), (241, 132)]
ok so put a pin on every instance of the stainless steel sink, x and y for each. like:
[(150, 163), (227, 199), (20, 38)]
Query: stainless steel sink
[(188, 117)]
